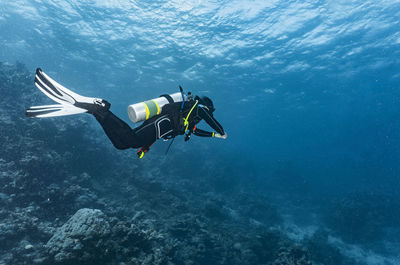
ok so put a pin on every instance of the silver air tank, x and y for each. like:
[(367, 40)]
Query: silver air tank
[(150, 108)]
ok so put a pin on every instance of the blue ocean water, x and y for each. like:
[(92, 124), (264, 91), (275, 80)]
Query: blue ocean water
[(307, 92)]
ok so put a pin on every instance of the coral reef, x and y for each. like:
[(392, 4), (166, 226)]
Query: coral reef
[(81, 238)]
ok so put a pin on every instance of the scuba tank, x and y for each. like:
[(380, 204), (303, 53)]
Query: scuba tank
[(145, 110)]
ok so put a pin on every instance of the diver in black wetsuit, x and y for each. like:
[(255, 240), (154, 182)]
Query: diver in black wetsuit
[(172, 121), (176, 118)]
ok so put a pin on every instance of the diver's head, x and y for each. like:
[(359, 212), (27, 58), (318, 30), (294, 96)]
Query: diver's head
[(207, 102)]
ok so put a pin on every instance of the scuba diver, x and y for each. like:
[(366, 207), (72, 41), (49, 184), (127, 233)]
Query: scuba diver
[(164, 118)]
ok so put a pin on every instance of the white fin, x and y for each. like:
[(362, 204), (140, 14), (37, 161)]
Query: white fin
[(57, 92), (53, 111)]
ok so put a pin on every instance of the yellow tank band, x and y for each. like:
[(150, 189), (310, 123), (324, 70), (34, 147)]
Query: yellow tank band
[(141, 155), (213, 135), (147, 110), (158, 107)]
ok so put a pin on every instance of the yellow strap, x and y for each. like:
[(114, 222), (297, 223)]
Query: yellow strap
[(147, 111), (186, 123), (213, 135), (158, 108), (141, 155)]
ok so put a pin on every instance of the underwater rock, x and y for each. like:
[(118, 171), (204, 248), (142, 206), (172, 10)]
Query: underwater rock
[(292, 256), (28, 247), (81, 238)]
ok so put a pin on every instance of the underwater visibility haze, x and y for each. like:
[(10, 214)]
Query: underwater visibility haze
[(307, 91)]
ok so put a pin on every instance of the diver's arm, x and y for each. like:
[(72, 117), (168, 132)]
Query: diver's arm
[(202, 133), (209, 118)]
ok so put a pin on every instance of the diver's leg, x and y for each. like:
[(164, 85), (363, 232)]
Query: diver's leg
[(119, 133)]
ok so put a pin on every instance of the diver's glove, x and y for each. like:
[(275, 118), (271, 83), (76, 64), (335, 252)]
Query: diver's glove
[(224, 136)]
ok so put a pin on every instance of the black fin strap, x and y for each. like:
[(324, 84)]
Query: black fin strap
[(168, 97)]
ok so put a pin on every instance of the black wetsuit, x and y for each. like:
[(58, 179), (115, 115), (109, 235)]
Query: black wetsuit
[(168, 124)]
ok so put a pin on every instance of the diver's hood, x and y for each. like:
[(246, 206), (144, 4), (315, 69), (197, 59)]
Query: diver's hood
[(206, 101)]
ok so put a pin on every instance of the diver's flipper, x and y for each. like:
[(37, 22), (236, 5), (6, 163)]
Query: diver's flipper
[(52, 111), (71, 103), (57, 92)]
